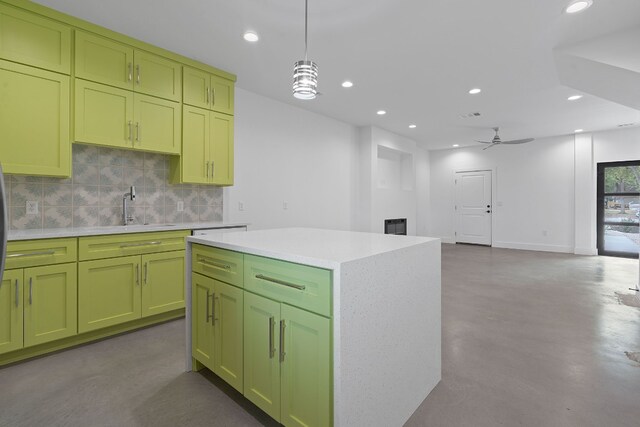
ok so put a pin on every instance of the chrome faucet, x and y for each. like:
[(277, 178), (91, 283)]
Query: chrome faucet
[(131, 195)]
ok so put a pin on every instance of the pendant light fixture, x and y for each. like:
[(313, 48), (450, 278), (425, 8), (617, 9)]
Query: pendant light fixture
[(305, 72)]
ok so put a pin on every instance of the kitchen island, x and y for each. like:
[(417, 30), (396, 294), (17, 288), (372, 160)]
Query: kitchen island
[(318, 327)]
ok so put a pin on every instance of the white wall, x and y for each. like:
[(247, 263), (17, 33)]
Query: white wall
[(287, 154), (546, 185)]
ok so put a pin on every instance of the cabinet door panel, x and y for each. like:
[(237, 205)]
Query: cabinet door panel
[(261, 362), (50, 303), (222, 149), (104, 61), (11, 303), (104, 115), (108, 292), (34, 121), (34, 40), (195, 145), (228, 321), (162, 282), (306, 369), (157, 124), (202, 329), (195, 84), (157, 76), (222, 95)]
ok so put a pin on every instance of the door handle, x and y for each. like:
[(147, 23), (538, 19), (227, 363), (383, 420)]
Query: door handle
[(207, 169), (30, 290), (17, 293), (138, 132), (130, 131), (213, 96), (146, 272), (206, 320), (213, 308), (207, 95), (137, 274), (282, 353), (272, 348), (138, 74), (129, 71)]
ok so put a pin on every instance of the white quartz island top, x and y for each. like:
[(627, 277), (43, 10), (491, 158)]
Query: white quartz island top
[(315, 247), (56, 233)]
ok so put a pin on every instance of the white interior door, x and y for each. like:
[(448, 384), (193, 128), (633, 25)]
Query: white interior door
[(473, 207)]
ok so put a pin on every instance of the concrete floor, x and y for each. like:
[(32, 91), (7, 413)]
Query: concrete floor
[(529, 339)]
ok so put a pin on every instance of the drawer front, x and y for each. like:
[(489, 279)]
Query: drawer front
[(220, 264), (110, 246), (32, 253), (298, 285)]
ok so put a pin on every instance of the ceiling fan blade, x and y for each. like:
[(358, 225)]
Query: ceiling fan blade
[(518, 141), (484, 142), (489, 146)]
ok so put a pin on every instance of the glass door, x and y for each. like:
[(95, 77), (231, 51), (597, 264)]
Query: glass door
[(619, 208)]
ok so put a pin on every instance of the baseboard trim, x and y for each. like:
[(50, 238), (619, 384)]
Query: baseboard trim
[(585, 251), (533, 247)]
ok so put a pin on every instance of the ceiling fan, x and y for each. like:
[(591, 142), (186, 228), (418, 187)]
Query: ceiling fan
[(496, 140)]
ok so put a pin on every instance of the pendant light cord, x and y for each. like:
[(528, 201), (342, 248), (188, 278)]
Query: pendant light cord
[(305, 27)]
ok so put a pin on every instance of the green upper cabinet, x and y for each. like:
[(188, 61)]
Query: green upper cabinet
[(207, 148), (50, 303), (157, 76), (102, 60), (115, 64), (34, 121), (209, 91), (162, 282), (114, 117), (11, 318), (34, 40)]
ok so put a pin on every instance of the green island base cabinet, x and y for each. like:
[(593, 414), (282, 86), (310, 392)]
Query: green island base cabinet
[(317, 327)]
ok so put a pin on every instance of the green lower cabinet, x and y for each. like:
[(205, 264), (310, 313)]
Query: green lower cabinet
[(261, 353), (108, 292), (11, 318), (50, 303), (306, 369), (162, 282), (217, 323)]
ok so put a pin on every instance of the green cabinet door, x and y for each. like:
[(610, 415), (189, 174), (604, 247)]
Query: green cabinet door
[(261, 353), (202, 328), (103, 115), (157, 76), (196, 90), (104, 61), (108, 292), (221, 148), (50, 303), (34, 40), (306, 369), (156, 124), (228, 346), (162, 282), (222, 94), (193, 165), (34, 121), (11, 319)]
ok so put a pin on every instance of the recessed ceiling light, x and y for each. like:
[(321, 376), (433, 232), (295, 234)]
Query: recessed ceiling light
[(578, 6), (574, 97), (475, 91), (579, 130), (412, 126), (250, 36), (456, 145), (347, 83), (381, 112)]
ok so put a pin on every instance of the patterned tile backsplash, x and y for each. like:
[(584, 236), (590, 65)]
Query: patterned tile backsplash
[(93, 195)]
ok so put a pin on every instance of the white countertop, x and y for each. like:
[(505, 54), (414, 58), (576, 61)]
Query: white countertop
[(52, 233), (315, 247)]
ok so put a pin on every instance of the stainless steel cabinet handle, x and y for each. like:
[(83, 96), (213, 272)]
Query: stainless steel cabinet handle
[(137, 274), (282, 353), (206, 320), (209, 263), (130, 124), (213, 96), (211, 168), (137, 74), (138, 135), (129, 71), (207, 166), (281, 282), (272, 349), (17, 293), (207, 95), (31, 254), (213, 308), (30, 290), (146, 271), (133, 245)]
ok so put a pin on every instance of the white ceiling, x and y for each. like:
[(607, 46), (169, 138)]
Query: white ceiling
[(414, 58)]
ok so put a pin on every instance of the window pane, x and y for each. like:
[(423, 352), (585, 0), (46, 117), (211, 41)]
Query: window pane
[(622, 209), (621, 238), (622, 179)]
